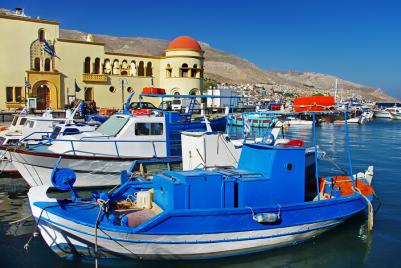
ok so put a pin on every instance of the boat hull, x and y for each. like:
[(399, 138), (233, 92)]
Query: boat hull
[(395, 116), (36, 168), (214, 235)]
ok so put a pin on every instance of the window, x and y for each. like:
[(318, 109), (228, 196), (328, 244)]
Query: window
[(41, 35), (15, 119), (145, 129), (18, 94), (89, 94), (47, 65), (22, 121), (87, 65), (112, 89), (31, 123), (169, 71), (149, 69), (97, 66), (129, 89), (113, 125), (194, 70), (141, 70), (184, 70), (37, 64), (9, 94)]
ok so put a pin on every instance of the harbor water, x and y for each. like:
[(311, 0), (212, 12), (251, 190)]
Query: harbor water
[(350, 245)]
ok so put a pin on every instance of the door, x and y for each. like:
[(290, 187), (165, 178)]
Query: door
[(43, 97)]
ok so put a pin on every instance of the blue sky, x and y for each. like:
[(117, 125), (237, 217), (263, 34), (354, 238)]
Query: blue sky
[(356, 40)]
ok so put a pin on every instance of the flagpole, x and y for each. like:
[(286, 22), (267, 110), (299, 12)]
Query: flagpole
[(25, 100)]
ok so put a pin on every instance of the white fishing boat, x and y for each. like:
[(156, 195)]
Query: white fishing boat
[(31, 130), (382, 113), (294, 121), (98, 156)]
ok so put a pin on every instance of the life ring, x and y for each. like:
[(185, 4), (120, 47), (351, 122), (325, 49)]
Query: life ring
[(142, 112)]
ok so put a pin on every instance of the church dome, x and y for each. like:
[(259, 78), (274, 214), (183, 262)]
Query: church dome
[(184, 43)]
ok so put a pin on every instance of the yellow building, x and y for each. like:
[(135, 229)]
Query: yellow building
[(105, 77)]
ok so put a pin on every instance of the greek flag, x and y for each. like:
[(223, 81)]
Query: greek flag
[(27, 84), (77, 88), (49, 49)]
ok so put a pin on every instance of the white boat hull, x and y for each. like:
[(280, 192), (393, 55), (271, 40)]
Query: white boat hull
[(395, 116), (36, 170), (382, 114)]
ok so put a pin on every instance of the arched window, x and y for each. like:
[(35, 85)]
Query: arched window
[(141, 70), (107, 66), (194, 70), (116, 67), (124, 68), (47, 65), (112, 89), (184, 70), (37, 64), (97, 66), (129, 89), (149, 69), (87, 65), (193, 91), (41, 35), (132, 69), (169, 71)]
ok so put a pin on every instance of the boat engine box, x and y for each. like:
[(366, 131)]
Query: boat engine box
[(195, 189), (253, 191)]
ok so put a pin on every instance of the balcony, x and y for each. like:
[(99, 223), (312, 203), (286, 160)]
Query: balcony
[(14, 105), (95, 78)]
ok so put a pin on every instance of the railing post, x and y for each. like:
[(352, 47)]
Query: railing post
[(115, 144)]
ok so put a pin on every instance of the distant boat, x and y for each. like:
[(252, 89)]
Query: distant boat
[(395, 114)]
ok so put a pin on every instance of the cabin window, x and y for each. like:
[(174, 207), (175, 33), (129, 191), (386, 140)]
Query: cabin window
[(31, 124), (145, 129), (22, 121), (71, 131), (55, 132), (14, 122), (112, 126)]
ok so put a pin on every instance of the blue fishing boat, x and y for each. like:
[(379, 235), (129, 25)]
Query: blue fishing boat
[(261, 205), (253, 120)]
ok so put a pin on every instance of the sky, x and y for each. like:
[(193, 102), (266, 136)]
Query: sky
[(357, 40)]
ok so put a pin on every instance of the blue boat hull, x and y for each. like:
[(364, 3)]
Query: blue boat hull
[(189, 234)]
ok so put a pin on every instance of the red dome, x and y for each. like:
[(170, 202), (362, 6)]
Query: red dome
[(184, 43)]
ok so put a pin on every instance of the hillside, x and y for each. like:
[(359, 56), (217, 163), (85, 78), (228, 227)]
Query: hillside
[(228, 68)]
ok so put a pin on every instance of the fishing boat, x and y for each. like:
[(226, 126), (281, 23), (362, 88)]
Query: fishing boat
[(294, 121), (31, 130), (200, 214), (98, 157), (253, 120)]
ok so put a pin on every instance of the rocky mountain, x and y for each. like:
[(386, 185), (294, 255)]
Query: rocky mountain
[(227, 68)]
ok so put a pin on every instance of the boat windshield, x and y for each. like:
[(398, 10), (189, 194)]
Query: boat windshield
[(15, 119), (113, 125)]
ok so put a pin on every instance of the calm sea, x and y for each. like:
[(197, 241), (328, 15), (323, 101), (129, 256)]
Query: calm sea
[(377, 143)]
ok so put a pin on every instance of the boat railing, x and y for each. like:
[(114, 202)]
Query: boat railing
[(117, 144), (73, 143)]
